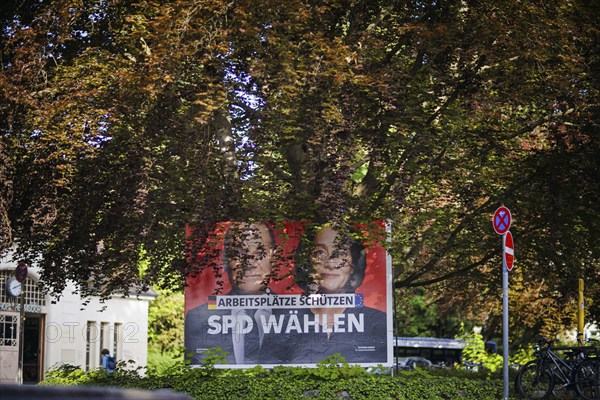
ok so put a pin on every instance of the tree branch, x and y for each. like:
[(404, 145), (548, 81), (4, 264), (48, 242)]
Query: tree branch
[(449, 275)]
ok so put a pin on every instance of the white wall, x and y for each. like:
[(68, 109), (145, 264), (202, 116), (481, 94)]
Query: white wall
[(66, 329), (66, 321)]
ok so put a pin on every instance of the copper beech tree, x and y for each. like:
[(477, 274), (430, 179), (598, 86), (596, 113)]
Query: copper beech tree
[(123, 122)]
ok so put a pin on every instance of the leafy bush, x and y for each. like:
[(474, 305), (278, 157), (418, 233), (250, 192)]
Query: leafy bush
[(165, 323), (332, 378), (476, 353), (160, 363), (64, 374), (522, 356)]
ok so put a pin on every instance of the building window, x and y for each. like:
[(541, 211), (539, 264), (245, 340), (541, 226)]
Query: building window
[(8, 330), (92, 352), (105, 336), (33, 294), (117, 341)]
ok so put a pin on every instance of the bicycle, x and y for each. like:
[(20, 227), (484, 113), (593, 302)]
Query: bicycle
[(578, 371), (587, 379)]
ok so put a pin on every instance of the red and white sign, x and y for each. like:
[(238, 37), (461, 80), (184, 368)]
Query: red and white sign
[(502, 220), (508, 252), (21, 271)]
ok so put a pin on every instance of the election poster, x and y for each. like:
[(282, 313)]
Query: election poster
[(290, 294)]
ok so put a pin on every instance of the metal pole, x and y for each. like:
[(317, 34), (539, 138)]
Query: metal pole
[(580, 314), (394, 324), (505, 319), (21, 335)]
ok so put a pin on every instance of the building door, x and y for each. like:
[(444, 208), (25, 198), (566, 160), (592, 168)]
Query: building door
[(9, 346), (32, 349)]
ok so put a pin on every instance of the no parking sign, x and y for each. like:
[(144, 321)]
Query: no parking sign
[(21, 271), (502, 220)]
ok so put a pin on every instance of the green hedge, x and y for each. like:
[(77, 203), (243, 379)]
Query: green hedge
[(276, 386), (330, 380)]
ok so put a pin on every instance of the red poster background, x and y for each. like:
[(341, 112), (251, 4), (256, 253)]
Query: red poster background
[(205, 284)]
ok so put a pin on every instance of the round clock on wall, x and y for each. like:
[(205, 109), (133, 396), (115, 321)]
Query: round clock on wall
[(13, 287)]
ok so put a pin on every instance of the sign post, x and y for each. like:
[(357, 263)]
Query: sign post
[(21, 276), (501, 222), (505, 328)]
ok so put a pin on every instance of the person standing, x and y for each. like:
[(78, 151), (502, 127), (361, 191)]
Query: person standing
[(107, 362)]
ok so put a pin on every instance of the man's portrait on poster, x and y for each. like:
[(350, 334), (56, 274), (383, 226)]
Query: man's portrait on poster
[(247, 257)]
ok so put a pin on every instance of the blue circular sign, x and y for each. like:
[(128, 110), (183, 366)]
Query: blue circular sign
[(502, 220)]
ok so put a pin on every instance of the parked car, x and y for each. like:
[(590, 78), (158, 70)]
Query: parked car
[(410, 363), (381, 370)]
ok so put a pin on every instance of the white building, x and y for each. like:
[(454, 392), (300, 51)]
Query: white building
[(66, 331)]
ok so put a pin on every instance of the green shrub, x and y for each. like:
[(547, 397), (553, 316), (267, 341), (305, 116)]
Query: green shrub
[(64, 375), (331, 379), (522, 356), (476, 353), (161, 363)]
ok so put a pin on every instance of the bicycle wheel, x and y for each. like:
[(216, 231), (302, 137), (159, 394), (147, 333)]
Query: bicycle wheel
[(534, 381), (587, 379)]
